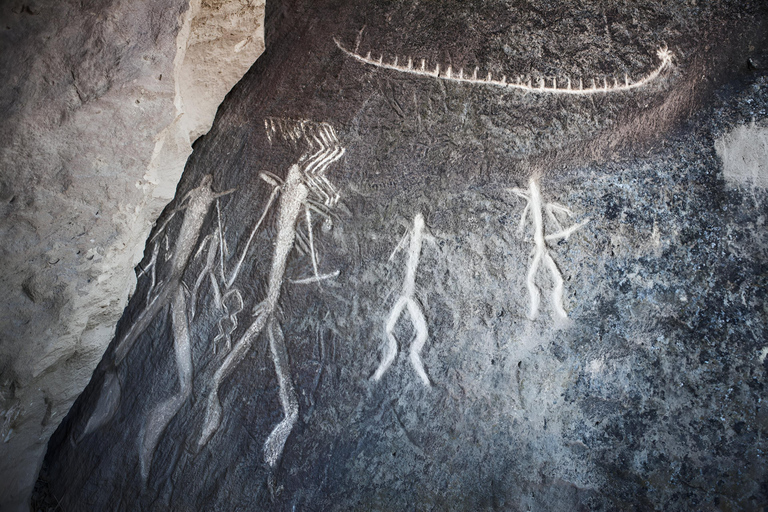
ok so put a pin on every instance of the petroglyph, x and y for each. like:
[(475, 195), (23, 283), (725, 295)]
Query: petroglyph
[(535, 208), (196, 204), (406, 300), (273, 446), (162, 414), (540, 85), (226, 298), (316, 278), (306, 186)]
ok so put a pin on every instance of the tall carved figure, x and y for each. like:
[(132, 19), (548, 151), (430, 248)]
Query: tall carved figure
[(196, 204), (305, 187), (406, 300)]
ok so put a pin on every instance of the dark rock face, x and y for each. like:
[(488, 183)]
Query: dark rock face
[(453, 294)]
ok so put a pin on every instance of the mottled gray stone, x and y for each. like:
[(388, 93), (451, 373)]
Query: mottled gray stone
[(648, 396)]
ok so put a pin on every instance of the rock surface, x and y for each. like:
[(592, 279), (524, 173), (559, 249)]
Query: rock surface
[(100, 103), (453, 295)]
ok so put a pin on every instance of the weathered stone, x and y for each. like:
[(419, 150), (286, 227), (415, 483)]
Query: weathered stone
[(100, 108), (744, 152), (521, 299)]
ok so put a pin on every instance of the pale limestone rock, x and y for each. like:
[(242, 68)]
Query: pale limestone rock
[(744, 153), (100, 104)]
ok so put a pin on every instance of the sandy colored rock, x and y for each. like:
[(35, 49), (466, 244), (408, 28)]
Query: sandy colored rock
[(100, 109)]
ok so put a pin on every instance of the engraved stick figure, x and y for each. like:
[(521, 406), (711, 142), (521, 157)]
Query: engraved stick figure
[(303, 186), (541, 251), (196, 202), (406, 300), (161, 415)]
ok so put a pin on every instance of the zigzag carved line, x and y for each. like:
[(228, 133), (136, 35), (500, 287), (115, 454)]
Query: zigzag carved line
[(323, 148)]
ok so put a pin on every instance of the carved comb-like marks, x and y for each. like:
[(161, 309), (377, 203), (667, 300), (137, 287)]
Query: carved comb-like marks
[(406, 300), (536, 209), (543, 85), (304, 182)]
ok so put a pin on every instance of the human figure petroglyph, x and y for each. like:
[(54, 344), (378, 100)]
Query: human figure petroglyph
[(305, 187), (226, 298), (196, 204), (406, 301), (541, 85), (535, 207)]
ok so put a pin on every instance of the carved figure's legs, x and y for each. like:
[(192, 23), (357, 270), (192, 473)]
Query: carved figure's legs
[(163, 413), (557, 289), (420, 325), (533, 290), (213, 412), (273, 447), (390, 351)]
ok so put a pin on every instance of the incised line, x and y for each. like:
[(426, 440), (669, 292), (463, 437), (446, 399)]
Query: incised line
[(520, 83)]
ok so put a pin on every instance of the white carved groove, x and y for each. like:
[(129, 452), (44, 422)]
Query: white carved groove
[(535, 208), (406, 300), (151, 268), (664, 55)]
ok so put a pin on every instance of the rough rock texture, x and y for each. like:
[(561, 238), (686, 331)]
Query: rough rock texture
[(100, 104), (404, 347)]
